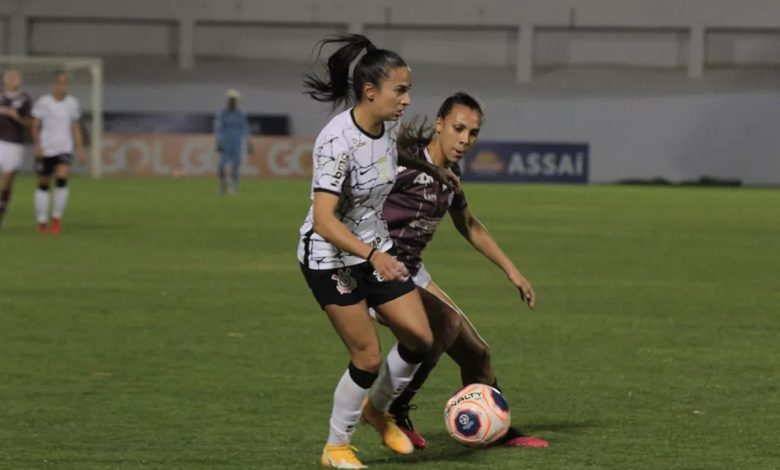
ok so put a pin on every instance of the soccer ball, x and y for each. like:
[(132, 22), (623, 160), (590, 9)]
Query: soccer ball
[(477, 415)]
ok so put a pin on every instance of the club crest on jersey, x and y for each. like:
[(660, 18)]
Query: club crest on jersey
[(345, 283)]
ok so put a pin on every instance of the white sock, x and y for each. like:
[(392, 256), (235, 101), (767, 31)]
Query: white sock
[(42, 206), (60, 201), (393, 379), (347, 405)]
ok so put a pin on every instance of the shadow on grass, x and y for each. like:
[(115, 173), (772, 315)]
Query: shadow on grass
[(441, 448)]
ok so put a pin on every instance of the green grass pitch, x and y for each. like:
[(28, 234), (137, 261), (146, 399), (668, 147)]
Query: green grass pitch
[(170, 328)]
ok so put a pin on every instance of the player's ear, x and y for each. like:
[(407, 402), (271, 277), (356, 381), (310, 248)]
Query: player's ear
[(370, 91), (438, 125)]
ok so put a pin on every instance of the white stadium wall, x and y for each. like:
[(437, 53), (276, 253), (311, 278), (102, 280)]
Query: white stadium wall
[(682, 129)]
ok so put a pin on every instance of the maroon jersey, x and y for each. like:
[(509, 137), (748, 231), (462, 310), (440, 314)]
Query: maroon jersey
[(414, 208), (10, 129)]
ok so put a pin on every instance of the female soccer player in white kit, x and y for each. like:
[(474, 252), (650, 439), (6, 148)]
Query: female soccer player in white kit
[(345, 250), (56, 133)]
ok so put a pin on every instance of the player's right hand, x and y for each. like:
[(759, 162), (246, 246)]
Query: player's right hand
[(388, 267)]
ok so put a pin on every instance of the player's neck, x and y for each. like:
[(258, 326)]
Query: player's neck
[(59, 96), (367, 121), (437, 156)]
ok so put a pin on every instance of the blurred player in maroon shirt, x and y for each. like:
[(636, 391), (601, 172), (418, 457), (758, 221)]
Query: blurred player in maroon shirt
[(413, 211), (15, 109)]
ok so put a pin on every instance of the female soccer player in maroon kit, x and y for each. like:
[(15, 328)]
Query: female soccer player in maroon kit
[(413, 211)]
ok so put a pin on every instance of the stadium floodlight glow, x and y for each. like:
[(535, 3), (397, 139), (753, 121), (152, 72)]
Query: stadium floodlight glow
[(91, 100)]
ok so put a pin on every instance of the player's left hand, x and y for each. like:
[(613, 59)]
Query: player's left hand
[(10, 112), (527, 293), (448, 177)]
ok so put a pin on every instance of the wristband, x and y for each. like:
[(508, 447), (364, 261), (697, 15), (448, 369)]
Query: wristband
[(370, 254)]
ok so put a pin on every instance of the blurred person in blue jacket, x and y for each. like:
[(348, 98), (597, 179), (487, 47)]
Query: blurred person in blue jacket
[(231, 129)]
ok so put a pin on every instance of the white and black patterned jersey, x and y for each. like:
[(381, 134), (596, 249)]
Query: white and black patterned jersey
[(360, 169)]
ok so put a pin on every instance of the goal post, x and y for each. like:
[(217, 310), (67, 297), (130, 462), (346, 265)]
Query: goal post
[(38, 75)]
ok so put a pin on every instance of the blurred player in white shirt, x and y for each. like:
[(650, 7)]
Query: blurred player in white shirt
[(57, 133), (14, 118)]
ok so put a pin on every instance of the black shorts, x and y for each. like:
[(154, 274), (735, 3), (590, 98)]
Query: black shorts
[(45, 166), (350, 285)]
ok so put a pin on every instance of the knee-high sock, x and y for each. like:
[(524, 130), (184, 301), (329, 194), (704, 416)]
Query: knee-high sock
[(60, 201), (400, 366), (348, 403), (414, 386), (42, 205)]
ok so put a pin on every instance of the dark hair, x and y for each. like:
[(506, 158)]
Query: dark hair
[(372, 68), (418, 133)]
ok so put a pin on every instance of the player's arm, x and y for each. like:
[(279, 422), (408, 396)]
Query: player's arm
[(218, 133), (24, 120), (442, 175), (337, 234), (78, 141), (481, 239), (248, 136)]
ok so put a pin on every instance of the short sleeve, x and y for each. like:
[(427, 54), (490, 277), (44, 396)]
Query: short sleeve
[(39, 109), (331, 164), (459, 200)]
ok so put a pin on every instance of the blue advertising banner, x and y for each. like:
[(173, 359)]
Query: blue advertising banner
[(527, 162)]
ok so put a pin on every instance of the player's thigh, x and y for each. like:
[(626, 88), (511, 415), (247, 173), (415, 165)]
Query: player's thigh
[(444, 320), (468, 345), (434, 289), (62, 170), (358, 333), (406, 318)]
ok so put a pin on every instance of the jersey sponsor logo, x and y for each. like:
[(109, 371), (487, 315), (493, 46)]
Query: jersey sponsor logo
[(345, 283), (423, 178), (341, 169), (424, 224)]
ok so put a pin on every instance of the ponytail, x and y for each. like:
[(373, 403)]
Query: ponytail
[(339, 88)]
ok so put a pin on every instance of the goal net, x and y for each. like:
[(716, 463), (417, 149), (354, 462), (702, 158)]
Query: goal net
[(85, 76)]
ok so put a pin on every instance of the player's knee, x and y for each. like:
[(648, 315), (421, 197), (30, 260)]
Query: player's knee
[(415, 353), (61, 182), (368, 359), (452, 325)]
